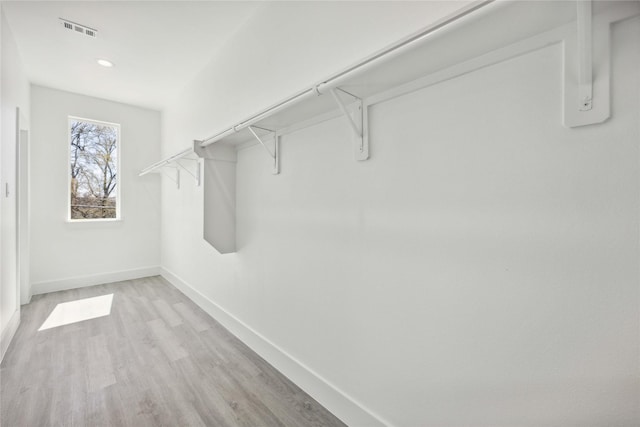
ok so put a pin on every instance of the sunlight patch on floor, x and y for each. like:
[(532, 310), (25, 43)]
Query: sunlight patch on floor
[(76, 311)]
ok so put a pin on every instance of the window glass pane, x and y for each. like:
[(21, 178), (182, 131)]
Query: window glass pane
[(94, 170)]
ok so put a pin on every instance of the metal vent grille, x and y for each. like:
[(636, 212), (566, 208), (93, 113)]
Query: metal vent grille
[(78, 28)]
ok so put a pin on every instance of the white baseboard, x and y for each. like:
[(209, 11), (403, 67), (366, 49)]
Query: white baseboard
[(94, 279), (340, 404), (8, 333)]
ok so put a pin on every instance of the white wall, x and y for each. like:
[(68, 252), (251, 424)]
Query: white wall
[(65, 254), (14, 93), (479, 269)]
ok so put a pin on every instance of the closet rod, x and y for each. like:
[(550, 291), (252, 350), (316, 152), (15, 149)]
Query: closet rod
[(338, 78)]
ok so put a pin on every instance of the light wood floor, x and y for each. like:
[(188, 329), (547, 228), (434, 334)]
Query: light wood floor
[(156, 360)]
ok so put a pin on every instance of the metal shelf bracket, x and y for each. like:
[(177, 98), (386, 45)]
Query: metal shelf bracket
[(357, 117), (175, 178), (195, 174), (585, 54), (192, 155), (275, 155), (587, 66)]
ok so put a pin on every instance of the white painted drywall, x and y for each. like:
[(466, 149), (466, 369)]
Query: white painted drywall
[(14, 93), (65, 254), (479, 269)]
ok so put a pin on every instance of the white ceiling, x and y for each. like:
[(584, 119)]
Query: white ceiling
[(156, 46)]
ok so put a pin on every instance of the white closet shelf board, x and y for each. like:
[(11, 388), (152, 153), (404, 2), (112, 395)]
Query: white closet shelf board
[(187, 160), (186, 154), (484, 30)]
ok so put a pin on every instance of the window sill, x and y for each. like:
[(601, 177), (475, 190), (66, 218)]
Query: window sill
[(105, 221)]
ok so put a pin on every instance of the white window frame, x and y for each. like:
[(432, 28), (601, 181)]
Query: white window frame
[(118, 166)]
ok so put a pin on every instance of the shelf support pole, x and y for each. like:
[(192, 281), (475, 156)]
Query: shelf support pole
[(275, 156), (585, 54), (357, 120)]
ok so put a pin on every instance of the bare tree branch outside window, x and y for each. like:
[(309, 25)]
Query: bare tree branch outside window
[(94, 170)]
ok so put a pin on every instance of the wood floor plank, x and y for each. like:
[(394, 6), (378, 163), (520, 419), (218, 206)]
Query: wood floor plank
[(167, 340), (99, 366), (167, 313), (189, 315), (156, 360)]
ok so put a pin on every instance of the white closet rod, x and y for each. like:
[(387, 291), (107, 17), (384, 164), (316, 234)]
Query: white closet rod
[(335, 80)]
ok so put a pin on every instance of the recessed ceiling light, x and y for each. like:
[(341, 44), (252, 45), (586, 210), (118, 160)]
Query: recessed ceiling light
[(105, 63)]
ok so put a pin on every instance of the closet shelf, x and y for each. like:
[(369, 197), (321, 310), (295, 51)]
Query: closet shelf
[(433, 52), (187, 160), (437, 53), (187, 154)]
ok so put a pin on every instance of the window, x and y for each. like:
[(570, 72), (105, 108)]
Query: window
[(93, 170)]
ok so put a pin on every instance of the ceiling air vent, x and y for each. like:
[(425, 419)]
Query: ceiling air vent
[(82, 29)]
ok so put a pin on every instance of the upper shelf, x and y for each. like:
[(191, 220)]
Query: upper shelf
[(188, 160), (172, 161), (433, 49), (176, 162), (453, 46)]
